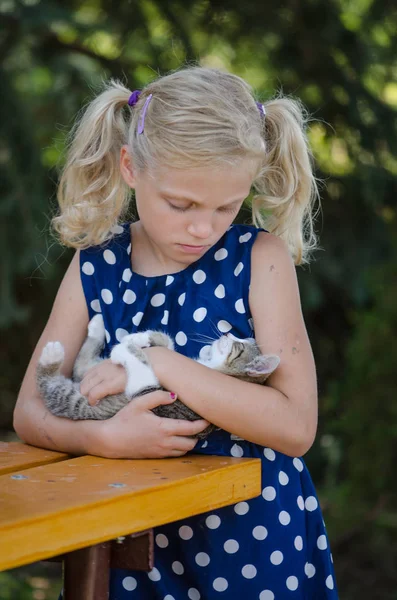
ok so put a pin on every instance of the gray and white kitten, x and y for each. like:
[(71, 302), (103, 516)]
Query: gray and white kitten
[(62, 396)]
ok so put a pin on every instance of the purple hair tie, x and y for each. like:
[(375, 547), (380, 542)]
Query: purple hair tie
[(133, 99), (261, 108)]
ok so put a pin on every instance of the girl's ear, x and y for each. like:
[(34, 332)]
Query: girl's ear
[(262, 365), (127, 167)]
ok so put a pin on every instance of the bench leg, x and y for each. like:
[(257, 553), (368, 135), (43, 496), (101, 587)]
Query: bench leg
[(86, 573)]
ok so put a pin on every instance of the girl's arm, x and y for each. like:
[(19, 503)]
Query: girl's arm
[(282, 414), (135, 432)]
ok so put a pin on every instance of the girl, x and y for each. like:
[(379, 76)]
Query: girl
[(193, 144)]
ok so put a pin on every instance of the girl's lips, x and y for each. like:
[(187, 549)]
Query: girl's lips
[(192, 249)]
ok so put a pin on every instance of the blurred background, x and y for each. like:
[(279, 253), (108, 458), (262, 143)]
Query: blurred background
[(340, 58)]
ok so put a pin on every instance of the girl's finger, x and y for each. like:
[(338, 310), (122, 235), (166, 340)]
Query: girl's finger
[(149, 401), (182, 444), (180, 427)]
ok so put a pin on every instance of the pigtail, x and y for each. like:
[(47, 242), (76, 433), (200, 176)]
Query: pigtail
[(92, 194), (286, 185)]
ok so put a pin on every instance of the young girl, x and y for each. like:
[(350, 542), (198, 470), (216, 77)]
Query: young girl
[(193, 145)]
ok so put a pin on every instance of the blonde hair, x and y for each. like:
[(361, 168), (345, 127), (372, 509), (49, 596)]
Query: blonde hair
[(197, 117)]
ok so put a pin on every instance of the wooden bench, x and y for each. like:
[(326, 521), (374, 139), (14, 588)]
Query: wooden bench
[(93, 513)]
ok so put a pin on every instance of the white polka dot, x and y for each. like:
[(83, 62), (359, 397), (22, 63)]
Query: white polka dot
[(283, 478), (200, 314), (329, 582), (169, 280), (169, 597), (292, 583), (177, 567), (181, 338), (185, 532), (95, 305), (238, 269), (205, 352), (213, 522), (332, 558), (193, 594), (298, 542), (220, 584), (248, 571), (221, 254), (269, 453), (164, 320), (120, 333), (244, 238), (298, 464), (157, 300), (266, 595), (300, 502), (154, 574), (162, 540), (224, 326), (136, 319), (88, 268), (107, 336), (322, 542), (127, 274), (284, 517), (181, 299), (202, 559), (204, 444), (237, 451), (241, 508), (117, 229), (269, 493), (231, 546), (199, 276), (220, 291), (259, 532), (129, 583), (311, 503), (110, 257), (276, 557), (239, 306), (129, 297), (129, 249), (107, 296), (310, 570)]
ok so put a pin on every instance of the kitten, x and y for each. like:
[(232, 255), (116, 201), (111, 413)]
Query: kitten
[(228, 354)]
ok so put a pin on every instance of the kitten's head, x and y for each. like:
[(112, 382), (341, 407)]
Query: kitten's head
[(240, 358)]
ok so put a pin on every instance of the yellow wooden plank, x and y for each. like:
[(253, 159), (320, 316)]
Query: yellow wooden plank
[(16, 456), (65, 506)]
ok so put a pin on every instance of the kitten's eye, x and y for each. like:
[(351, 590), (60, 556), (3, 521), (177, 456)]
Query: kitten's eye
[(237, 350)]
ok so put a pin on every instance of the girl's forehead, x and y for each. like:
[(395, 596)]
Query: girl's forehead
[(234, 182)]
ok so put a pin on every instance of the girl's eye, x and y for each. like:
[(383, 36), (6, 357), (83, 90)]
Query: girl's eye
[(228, 209), (178, 208)]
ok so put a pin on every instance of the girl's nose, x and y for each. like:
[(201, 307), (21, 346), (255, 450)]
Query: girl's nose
[(200, 229)]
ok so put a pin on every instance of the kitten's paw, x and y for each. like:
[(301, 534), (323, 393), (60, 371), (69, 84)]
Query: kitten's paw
[(96, 328), (120, 355), (53, 353), (141, 339)]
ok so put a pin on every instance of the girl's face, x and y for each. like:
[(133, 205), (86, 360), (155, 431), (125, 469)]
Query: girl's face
[(185, 212)]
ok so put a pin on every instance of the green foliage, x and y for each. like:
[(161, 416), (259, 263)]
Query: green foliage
[(21, 586)]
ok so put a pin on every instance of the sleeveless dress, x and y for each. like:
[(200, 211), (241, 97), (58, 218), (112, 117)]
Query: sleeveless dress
[(274, 546)]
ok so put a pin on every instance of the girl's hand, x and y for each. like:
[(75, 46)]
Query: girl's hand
[(136, 432), (105, 379)]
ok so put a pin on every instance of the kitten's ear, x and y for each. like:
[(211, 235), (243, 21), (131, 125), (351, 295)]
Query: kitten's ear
[(262, 365)]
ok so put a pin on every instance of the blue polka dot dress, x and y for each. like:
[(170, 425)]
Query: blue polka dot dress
[(274, 546)]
